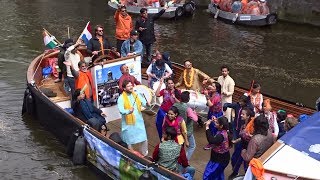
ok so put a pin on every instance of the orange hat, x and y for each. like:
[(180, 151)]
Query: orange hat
[(267, 105)]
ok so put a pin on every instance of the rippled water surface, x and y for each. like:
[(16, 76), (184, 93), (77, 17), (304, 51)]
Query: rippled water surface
[(283, 58)]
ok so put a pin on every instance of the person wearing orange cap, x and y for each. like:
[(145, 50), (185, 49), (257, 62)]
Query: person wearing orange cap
[(271, 116)]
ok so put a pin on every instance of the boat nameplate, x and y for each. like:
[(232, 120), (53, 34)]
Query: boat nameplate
[(245, 18), (153, 10)]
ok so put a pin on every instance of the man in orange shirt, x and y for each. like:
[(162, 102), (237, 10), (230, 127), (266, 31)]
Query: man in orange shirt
[(123, 25)]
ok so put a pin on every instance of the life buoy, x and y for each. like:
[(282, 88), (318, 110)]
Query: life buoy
[(179, 12), (271, 19)]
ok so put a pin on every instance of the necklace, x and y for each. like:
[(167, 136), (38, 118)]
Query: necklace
[(188, 85)]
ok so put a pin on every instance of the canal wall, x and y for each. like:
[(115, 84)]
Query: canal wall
[(298, 11)]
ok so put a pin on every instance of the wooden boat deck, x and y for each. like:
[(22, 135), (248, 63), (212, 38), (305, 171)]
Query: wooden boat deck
[(56, 88)]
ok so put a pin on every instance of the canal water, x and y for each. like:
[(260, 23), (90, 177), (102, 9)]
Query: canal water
[(284, 58)]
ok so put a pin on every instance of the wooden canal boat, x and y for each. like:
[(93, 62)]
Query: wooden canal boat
[(52, 114)]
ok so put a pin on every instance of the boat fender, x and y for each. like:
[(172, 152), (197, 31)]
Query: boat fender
[(28, 102), (179, 12), (189, 8), (271, 18), (71, 143), (79, 153), (24, 105)]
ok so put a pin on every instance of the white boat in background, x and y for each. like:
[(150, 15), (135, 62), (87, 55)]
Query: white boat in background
[(173, 11)]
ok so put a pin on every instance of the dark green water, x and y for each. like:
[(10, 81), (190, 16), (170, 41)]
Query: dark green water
[(283, 58)]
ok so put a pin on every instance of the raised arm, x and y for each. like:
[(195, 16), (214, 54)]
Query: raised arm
[(159, 14)]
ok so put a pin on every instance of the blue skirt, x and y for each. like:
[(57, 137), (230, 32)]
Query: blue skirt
[(159, 121), (214, 171)]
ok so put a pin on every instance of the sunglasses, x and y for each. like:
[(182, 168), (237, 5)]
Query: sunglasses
[(123, 11), (100, 30)]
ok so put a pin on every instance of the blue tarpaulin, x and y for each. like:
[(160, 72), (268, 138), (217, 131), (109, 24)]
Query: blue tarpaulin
[(305, 136)]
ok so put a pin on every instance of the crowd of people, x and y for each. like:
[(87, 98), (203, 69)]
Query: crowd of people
[(252, 127), (254, 7)]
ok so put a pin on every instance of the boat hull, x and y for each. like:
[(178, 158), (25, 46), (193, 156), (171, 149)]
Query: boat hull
[(50, 115), (243, 19)]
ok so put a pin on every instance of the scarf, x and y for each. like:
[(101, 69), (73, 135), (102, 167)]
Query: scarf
[(130, 118), (101, 45), (250, 127)]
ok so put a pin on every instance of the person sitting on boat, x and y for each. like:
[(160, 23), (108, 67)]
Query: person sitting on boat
[(98, 44), (220, 154), (236, 7), (225, 5), (191, 77), (281, 116), (264, 9), (123, 25), (272, 117), (170, 96), (253, 8), (132, 46), (83, 79), (227, 88), (145, 26), (290, 122), (246, 132), (158, 70), (189, 117), (256, 97), (133, 130), (61, 59), (126, 76), (86, 111), (71, 55), (261, 140), (244, 6), (171, 155)]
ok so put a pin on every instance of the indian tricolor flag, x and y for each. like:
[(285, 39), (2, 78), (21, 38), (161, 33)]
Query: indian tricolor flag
[(86, 34), (49, 41)]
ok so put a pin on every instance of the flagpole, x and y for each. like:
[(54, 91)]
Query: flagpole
[(52, 35)]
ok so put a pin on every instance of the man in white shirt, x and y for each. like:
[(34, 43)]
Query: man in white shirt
[(74, 57), (157, 70), (227, 89)]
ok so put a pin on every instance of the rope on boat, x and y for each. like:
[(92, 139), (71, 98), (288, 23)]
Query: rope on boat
[(37, 67)]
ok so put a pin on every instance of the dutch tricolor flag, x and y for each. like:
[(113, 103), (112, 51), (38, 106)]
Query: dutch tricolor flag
[(86, 34)]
